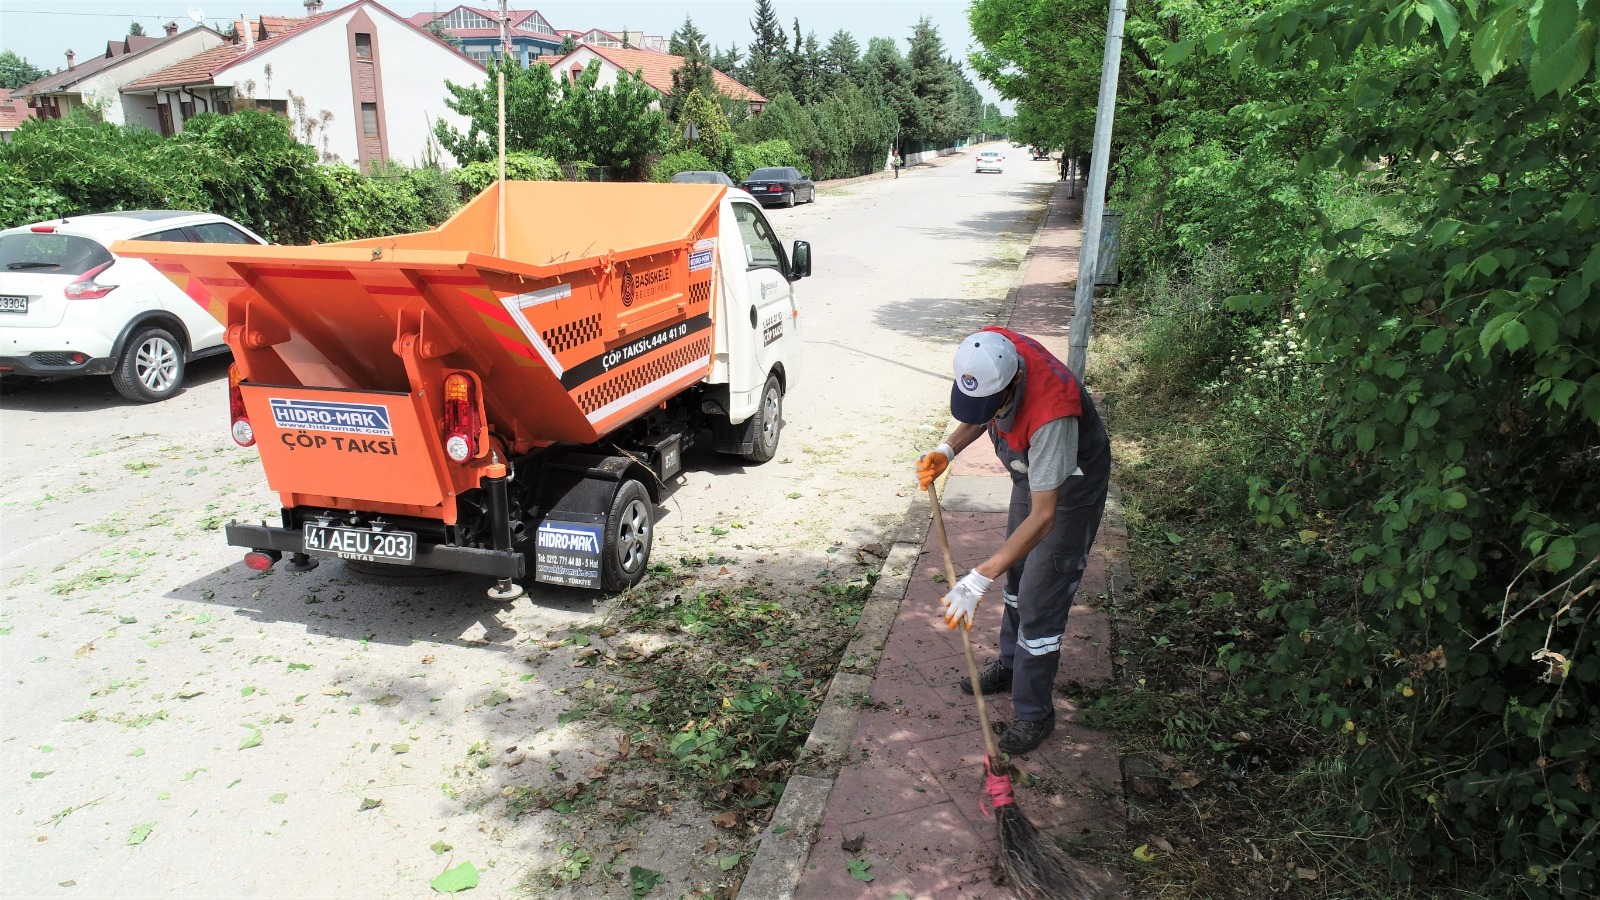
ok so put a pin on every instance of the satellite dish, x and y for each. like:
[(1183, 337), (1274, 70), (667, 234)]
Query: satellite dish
[(195, 15)]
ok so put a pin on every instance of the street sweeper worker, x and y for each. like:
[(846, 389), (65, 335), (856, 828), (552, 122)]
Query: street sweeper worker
[(1049, 437)]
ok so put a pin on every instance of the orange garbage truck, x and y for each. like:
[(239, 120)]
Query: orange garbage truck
[(433, 401)]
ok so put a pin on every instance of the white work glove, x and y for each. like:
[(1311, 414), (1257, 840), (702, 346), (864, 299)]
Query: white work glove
[(962, 601)]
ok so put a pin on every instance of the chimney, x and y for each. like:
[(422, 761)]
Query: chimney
[(249, 36), (70, 57), (313, 7), (171, 28)]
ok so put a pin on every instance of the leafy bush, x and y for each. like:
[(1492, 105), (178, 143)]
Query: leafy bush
[(767, 154), (680, 161), (246, 166), (471, 179)]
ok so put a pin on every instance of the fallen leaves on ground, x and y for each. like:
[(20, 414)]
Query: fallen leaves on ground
[(140, 832), (860, 869), (461, 878)]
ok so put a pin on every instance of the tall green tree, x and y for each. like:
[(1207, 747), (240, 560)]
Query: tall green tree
[(764, 66), (932, 83), (688, 40), (694, 76), (841, 60), (889, 77), (727, 61), (17, 72), (135, 29), (617, 126)]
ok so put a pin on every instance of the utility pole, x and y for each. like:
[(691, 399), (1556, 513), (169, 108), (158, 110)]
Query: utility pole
[(1094, 201), (500, 190)]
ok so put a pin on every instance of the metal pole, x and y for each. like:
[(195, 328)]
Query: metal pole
[(1094, 198), (500, 189)]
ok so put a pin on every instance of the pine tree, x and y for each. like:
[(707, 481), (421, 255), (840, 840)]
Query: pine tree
[(16, 72), (694, 75), (135, 29), (688, 41), (764, 68), (841, 60)]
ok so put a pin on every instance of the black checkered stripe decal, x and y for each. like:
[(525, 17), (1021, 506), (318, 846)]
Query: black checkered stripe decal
[(700, 292), (628, 382), (572, 334)]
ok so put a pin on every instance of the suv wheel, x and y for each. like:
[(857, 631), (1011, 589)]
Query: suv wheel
[(151, 367)]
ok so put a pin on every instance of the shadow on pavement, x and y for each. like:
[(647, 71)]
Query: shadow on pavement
[(90, 393), (938, 319)]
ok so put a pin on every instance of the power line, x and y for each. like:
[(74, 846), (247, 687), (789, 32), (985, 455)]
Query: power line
[(52, 12)]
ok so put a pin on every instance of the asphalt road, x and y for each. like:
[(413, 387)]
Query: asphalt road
[(172, 723)]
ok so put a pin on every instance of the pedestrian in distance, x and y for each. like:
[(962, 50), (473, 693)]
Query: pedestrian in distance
[(1048, 435)]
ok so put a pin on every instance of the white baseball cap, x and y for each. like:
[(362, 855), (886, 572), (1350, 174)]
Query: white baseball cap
[(985, 364)]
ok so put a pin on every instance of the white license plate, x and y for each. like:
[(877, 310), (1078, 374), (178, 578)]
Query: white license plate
[(362, 543), (13, 304)]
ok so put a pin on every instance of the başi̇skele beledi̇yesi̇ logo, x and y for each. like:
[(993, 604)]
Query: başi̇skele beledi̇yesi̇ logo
[(352, 427)]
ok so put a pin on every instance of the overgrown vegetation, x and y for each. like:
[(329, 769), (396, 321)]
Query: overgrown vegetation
[(246, 166), (1352, 380)]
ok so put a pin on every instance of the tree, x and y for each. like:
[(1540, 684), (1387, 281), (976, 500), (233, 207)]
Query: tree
[(933, 83), (841, 60), (694, 76), (763, 69), (135, 29), (618, 126), (688, 40), (889, 78), (531, 120), (714, 138), (727, 61), (568, 44), (16, 72), (437, 29)]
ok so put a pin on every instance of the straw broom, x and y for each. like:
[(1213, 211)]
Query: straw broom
[(1035, 866)]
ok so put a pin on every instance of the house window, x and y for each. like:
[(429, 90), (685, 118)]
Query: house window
[(465, 18), (363, 46), (186, 109), (481, 56), (369, 119), (224, 107)]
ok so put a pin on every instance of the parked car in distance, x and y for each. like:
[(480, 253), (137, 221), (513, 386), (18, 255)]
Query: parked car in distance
[(702, 178), (780, 185), (69, 306), (990, 161), (1041, 153)]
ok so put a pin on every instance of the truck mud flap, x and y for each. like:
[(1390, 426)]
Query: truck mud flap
[(467, 560)]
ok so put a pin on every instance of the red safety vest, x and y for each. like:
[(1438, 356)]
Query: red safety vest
[(1049, 393)]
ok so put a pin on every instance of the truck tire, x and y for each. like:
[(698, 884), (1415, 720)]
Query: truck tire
[(630, 531), (151, 367), (768, 422)]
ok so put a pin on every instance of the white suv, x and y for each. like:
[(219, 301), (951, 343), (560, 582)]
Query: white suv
[(69, 306)]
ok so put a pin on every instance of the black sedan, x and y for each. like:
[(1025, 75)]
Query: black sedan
[(780, 185)]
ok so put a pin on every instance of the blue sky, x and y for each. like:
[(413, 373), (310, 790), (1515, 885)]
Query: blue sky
[(43, 30)]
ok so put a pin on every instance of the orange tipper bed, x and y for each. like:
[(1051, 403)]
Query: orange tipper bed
[(599, 306)]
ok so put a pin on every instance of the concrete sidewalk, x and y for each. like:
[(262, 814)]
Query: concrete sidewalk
[(905, 801)]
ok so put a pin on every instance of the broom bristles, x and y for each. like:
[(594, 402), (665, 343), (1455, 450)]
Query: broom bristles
[(1034, 864)]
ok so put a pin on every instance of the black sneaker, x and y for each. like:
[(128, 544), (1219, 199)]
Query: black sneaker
[(995, 680), (1024, 735)]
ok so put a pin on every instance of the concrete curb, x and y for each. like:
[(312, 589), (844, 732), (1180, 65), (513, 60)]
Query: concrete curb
[(785, 845)]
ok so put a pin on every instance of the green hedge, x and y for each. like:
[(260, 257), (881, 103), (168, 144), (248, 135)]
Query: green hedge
[(767, 154), (680, 161)]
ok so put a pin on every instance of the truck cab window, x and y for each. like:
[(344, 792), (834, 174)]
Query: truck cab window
[(761, 247)]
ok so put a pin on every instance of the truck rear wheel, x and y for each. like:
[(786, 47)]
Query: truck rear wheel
[(768, 422), (630, 531)]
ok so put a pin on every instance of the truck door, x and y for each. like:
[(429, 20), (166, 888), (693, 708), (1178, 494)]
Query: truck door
[(770, 304)]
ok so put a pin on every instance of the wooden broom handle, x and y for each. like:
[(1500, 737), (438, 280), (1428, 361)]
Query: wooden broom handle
[(966, 643)]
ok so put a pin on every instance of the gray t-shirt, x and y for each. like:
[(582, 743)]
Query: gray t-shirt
[(1053, 454)]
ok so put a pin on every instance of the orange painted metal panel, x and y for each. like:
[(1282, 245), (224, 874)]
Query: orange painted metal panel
[(345, 444)]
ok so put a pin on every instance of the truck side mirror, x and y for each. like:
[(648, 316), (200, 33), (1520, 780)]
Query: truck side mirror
[(801, 267)]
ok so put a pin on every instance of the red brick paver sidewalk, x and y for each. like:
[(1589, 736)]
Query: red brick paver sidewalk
[(906, 801)]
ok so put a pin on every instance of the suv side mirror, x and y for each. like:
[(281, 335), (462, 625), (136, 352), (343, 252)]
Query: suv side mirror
[(801, 265)]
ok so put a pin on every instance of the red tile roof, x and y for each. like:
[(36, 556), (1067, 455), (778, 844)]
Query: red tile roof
[(203, 67), (13, 112), (657, 68)]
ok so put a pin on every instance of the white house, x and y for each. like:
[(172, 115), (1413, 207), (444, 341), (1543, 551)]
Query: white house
[(359, 83), (97, 82)]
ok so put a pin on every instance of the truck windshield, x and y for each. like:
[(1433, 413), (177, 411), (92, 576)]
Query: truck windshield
[(53, 254)]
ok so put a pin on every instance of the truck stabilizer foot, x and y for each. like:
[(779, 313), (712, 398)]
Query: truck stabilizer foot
[(506, 591), (300, 562)]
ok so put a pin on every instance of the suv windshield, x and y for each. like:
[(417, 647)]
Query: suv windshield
[(769, 175), (52, 254)]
